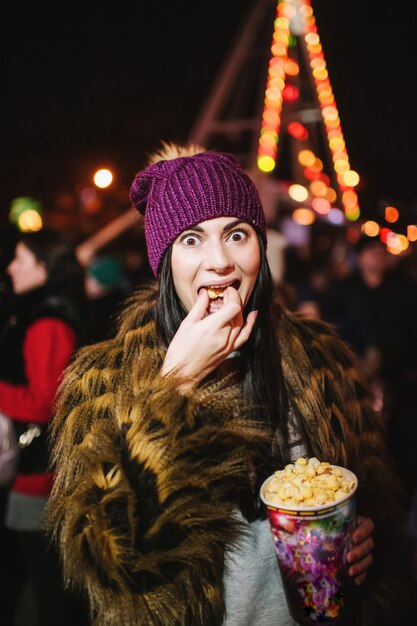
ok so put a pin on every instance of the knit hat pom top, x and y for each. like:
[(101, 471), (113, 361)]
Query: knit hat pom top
[(176, 194)]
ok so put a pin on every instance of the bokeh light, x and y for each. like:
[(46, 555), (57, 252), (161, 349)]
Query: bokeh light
[(266, 163), (303, 216), (370, 228), (350, 178), (297, 130), (336, 217), (396, 243), (306, 158), (331, 195), (391, 214), (383, 234), (103, 178), (318, 188), (412, 232), (21, 205), (352, 213), (29, 221), (321, 205), (298, 193), (290, 93)]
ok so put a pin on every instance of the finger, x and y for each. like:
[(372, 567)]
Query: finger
[(361, 550), (199, 309), (361, 567), (365, 522), (363, 531), (359, 580), (231, 308), (246, 329), (234, 322), (232, 297), (238, 319)]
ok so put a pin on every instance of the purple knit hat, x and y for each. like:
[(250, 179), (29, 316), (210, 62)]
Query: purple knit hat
[(178, 193)]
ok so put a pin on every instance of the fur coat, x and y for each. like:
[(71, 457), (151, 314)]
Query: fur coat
[(147, 479)]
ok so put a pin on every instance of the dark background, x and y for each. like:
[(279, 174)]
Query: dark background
[(88, 84)]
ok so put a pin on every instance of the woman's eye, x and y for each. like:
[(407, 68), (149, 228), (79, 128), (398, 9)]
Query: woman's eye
[(237, 235), (190, 240)]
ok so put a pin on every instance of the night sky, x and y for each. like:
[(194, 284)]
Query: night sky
[(85, 83)]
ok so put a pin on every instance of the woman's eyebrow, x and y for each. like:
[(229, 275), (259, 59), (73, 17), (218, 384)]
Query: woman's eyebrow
[(198, 229), (232, 224), (226, 227)]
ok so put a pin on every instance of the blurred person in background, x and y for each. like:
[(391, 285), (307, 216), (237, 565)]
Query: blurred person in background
[(106, 286), (311, 276), (8, 578), (47, 326), (375, 311), (7, 244)]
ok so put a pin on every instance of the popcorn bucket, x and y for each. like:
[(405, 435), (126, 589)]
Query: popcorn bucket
[(311, 545)]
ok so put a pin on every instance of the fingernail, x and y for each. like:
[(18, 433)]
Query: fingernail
[(351, 557)]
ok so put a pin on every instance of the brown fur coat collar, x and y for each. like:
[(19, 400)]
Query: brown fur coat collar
[(144, 499)]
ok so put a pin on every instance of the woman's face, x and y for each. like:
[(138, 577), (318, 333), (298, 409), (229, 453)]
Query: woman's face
[(213, 255), (25, 271)]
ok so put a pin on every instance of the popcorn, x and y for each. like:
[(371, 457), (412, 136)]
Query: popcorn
[(215, 292), (308, 483)]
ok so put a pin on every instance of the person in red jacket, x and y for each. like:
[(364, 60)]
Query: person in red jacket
[(45, 330)]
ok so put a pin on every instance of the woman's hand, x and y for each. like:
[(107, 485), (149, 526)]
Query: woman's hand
[(360, 556), (203, 341)]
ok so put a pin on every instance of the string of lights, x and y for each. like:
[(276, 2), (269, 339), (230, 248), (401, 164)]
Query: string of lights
[(295, 24)]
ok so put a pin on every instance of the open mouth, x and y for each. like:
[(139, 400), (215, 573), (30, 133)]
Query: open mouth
[(216, 294), (217, 291)]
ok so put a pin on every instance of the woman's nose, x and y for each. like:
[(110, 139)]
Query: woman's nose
[(217, 258)]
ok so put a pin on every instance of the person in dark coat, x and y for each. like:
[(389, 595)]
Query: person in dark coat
[(375, 311)]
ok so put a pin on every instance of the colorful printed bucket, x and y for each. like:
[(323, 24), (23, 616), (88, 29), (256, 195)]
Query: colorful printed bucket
[(311, 544)]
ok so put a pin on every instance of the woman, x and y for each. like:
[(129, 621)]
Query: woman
[(164, 433), (35, 348)]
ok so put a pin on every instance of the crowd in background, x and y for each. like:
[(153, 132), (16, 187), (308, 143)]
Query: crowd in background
[(369, 295)]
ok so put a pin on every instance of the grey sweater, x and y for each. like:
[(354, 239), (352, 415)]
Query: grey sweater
[(254, 594)]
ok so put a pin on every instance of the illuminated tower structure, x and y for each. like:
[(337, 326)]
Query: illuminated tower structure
[(273, 106)]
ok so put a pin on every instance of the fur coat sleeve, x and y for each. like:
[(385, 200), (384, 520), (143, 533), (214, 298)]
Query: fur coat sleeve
[(146, 484)]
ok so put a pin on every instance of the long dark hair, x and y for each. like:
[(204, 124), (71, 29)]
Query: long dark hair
[(262, 377)]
